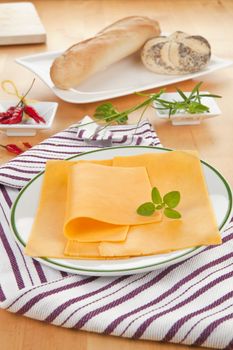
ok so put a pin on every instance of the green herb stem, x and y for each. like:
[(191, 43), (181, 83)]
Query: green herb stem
[(108, 114)]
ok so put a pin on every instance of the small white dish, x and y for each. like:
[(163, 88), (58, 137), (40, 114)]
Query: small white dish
[(187, 118), (29, 127), (120, 79)]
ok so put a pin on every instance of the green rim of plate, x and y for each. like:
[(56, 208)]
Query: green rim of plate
[(47, 260)]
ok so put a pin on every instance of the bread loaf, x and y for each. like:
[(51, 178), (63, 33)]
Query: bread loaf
[(113, 43), (178, 53)]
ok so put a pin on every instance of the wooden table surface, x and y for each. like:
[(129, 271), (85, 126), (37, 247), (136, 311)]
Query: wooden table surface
[(68, 22)]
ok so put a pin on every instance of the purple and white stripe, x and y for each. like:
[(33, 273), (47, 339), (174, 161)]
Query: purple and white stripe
[(65, 144), (190, 302)]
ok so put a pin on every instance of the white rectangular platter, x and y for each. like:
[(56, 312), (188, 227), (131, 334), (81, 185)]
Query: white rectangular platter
[(119, 79)]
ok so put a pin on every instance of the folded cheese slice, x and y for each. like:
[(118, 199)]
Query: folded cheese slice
[(46, 237), (176, 170), (102, 201), (97, 203)]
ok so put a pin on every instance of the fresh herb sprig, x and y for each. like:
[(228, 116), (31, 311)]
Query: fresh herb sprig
[(189, 104), (167, 203), (107, 114)]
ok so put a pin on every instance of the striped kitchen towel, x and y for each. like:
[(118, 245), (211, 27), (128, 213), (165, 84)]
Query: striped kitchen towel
[(190, 302), (67, 143)]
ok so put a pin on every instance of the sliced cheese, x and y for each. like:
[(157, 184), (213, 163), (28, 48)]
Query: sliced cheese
[(177, 170), (75, 248), (102, 202), (171, 171), (96, 202), (46, 237)]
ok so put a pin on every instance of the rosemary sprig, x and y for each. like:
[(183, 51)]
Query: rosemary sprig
[(107, 114), (189, 104)]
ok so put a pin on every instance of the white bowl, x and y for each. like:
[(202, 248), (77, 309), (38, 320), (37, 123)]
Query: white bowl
[(186, 118), (29, 127)]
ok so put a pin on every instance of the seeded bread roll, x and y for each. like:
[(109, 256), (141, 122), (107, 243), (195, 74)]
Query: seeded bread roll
[(155, 56), (178, 36), (191, 54), (179, 53), (113, 43)]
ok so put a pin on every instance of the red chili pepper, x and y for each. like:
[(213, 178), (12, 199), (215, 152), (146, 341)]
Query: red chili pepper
[(11, 109), (31, 112), (12, 148), (16, 116), (13, 115), (27, 144), (5, 116)]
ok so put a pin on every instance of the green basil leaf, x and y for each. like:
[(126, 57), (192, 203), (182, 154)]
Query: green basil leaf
[(105, 111), (155, 195), (172, 199), (171, 213), (146, 209), (158, 207)]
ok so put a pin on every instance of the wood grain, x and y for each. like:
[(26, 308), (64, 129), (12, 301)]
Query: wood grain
[(67, 22)]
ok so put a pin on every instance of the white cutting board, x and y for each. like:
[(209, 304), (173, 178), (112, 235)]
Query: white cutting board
[(20, 24)]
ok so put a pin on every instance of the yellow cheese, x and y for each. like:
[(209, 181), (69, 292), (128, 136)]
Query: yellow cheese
[(171, 171), (168, 171), (102, 202), (83, 250), (96, 202), (46, 238)]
